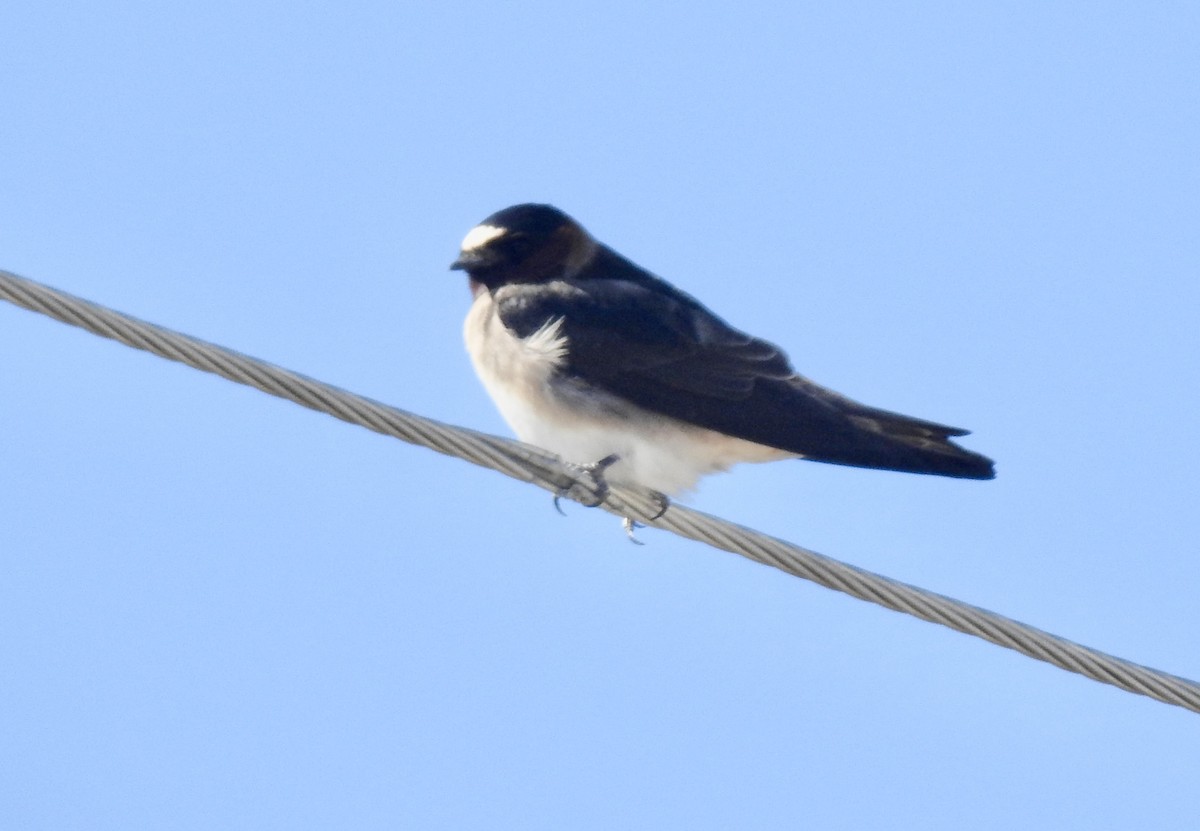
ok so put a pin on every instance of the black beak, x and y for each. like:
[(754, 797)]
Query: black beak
[(472, 261)]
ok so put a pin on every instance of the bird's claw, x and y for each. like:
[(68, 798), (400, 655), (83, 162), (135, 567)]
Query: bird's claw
[(663, 501), (588, 487), (630, 525)]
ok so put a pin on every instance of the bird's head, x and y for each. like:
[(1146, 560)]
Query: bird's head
[(524, 244)]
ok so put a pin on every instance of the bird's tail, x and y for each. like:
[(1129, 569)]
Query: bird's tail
[(914, 445)]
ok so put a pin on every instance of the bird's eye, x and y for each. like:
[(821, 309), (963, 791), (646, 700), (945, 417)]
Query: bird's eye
[(517, 245)]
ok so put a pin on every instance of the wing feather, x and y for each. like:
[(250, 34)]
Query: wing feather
[(640, 338)]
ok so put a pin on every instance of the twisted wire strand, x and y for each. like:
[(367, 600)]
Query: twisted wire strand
[(531, 464)]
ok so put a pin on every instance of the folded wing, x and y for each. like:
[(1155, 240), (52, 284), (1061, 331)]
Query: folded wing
[(647, 342)]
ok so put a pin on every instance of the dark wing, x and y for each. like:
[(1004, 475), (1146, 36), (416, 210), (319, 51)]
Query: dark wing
[(653, 345)]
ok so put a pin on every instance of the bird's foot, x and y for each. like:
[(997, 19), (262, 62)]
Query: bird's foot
[(663, 501), (589, 488), (630, 525)]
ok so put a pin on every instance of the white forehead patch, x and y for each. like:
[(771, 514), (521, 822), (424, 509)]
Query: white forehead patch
[(481, 235)]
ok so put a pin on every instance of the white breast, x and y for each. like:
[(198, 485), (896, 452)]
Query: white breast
[(583, 424)]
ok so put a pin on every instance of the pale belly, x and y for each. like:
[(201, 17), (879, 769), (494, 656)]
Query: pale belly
[(583, 424)]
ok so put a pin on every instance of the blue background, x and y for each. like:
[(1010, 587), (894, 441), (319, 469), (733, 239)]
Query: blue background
[(220, 610)]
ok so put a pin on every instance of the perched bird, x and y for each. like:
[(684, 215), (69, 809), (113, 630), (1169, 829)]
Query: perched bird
[(589, 356)]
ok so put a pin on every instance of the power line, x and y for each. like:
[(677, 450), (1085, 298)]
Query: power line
[(530, 464)]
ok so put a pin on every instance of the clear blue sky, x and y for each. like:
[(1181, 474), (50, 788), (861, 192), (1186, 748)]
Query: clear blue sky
[(220, 610)]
